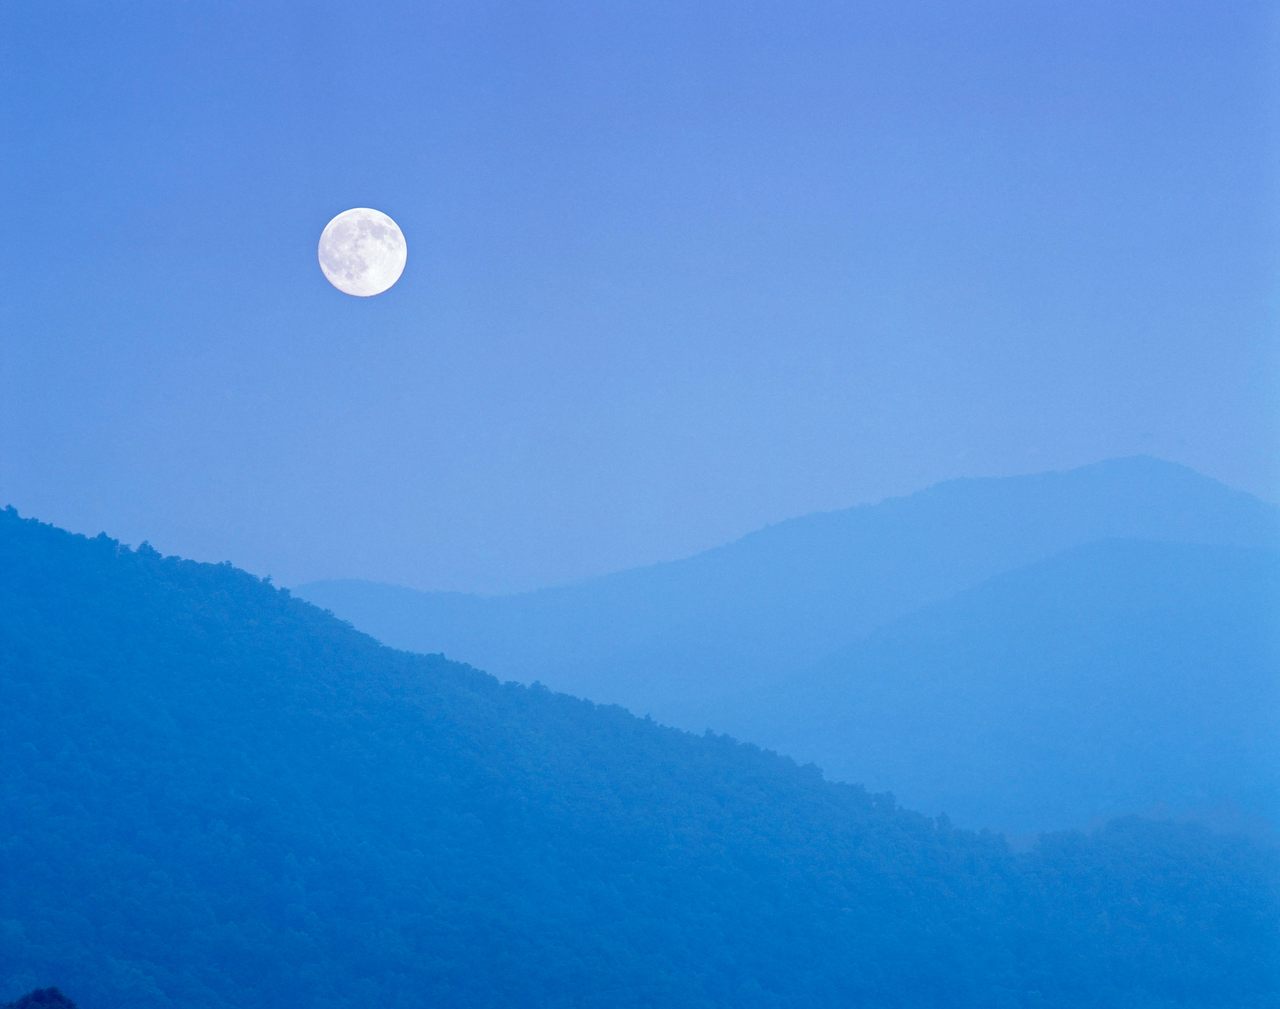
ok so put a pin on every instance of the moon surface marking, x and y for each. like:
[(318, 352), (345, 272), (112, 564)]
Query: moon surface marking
[(362, 252)]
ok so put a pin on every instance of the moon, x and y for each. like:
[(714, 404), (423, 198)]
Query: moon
[(362, 252)]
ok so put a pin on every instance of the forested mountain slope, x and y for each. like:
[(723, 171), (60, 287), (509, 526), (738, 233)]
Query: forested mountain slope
[(1123, 676), (696, 642), (216, 795)]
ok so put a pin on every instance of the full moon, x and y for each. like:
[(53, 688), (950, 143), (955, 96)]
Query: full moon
[(362, 252)]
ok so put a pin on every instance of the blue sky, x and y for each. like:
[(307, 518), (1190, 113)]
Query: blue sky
[(675, 270)]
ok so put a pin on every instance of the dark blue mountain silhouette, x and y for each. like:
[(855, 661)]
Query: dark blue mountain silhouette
[(215, 795)]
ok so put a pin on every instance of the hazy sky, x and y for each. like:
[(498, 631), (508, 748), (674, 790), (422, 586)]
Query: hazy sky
[(675, 270)]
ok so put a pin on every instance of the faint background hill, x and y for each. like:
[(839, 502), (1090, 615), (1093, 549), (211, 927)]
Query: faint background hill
[(1120, 676), (720, 638), (215, 795)]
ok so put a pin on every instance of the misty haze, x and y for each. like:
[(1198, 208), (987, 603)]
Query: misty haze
[(616, 506)]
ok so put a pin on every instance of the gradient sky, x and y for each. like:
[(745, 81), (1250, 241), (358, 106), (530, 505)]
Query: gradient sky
[(675, 270)]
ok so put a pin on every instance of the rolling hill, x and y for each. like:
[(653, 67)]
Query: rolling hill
[(215, 795), (693, 641), (1117, 677), (1004, 585)]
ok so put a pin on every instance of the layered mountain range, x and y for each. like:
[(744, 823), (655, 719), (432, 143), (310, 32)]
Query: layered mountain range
[(215, 794), (1021, 653)]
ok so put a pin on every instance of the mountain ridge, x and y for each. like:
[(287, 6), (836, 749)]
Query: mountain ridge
[(1151, 463), (685, 640), (222, 794), (1162, 656)]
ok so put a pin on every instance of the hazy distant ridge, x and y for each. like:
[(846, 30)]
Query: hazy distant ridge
[(716, 639), (1119, 676)]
